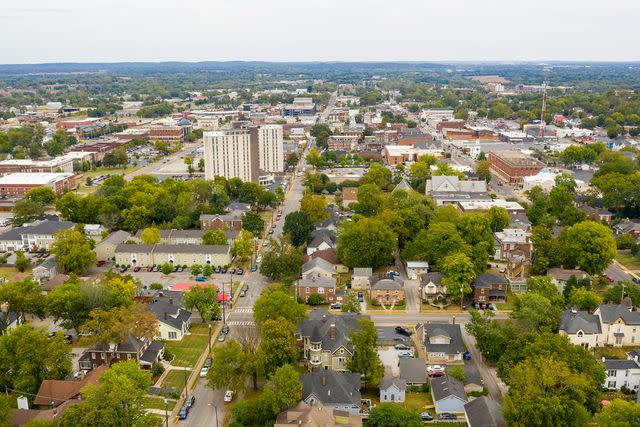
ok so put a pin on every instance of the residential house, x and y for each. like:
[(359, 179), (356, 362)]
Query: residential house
[(336, 390), (512, 242), (316, 415), (581, 328), (489, 287), (599, 214), (361, 278), (220, 222), (448, 394), (45, 270), (54, 282), (146, 352), (442, 342), (445, 190), (483, 412), (318, 267), (173, 321), (321, 239), (628, 226), (620, 325), (53, 393), (560, 276), (324, 338), (392, 389), (622, 373), (432, 286), (94, 230), (147, 255), (9, 320), (330, 256), (106, 249), (416, 268), (349, 196), (388, 291), (519, 221), (317, 284), (413, 371), (39, 235)]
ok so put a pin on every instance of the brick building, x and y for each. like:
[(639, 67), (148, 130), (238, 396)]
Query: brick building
[(342, 142), (17, 184), (513, 166)]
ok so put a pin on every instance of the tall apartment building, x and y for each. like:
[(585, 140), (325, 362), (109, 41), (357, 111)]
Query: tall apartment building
[(244, 152)]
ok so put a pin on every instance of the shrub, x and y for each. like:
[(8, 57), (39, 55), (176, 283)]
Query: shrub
[(168, 356), (156, 369), (156, 286), (315, 299), (425, 388)]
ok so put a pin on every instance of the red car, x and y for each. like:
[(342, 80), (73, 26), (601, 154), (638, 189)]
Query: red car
[(100, 263), (136, 269)]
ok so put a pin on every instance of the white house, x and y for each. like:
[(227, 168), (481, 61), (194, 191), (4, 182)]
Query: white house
[(622, 373), (361, 278), (392, 389), (416, 268), (173, 322), (448, 394), (620, 325), (581, 328)]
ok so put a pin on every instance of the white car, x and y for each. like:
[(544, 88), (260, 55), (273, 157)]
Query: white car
[(228, 395), (435, 368), (203, 372), (259, 259)]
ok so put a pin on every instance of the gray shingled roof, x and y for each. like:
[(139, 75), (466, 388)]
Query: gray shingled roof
[(316, 281), (48, 227), (388, 284), (322, 320), (319, 263), (434, 276), (116, 237), (387, 382), (572, 322), (609, 313), (488, 279), (620, 364), (451, 330), (340, 387), (175, 316), (413, 370), (445, 386), (484, 412), (362, 272), (192, 249)]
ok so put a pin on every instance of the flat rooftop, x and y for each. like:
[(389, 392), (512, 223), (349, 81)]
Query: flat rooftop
[(33, 178)]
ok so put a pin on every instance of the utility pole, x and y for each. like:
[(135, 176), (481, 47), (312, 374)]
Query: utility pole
[(622, 295), (209, 337)]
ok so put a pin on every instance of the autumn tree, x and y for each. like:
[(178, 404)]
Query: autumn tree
[(72, 251), (314, 205), (242, 247), (150, 236)]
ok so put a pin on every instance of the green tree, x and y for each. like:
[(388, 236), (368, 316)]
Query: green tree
[(118, 400), (5, 409), (367, 243), (589, 245), (22, 297), (457, 372), (314, 206), (548, 251), (492, 338), (618, 413), (43, 195), (543, 285), (227, 371), (22, 262), (388, 414), (274, 304), (370, 200), (584, 299), (278, 344), (498, 218), (26, 210), (378, 175), (365, 359), (483, 168), (253, 222), (243, 245), (535, 312), (286, 385), (282, 262), (435, 243), (615, 294), (350, 303), (214, 237), (321, 132), (298, 226), (459, 273), (135, 218), (204, 300), (150, 236), (28, 356), (166, 268), (72, 251)]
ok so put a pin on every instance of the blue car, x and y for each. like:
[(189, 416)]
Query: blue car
[(183, 412), (201, 279), (466, 355)]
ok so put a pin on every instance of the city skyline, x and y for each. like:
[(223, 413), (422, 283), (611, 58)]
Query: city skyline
[(288, 31)]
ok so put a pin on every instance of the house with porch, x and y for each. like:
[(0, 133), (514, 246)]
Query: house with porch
[(442, 341), (490, 287)]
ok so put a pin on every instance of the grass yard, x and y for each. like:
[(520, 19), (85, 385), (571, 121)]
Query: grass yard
[(175, 379), (158, 403), (418, 402), (187, 350), (628, 260), (612, 352), (610, 395), (508, 305)]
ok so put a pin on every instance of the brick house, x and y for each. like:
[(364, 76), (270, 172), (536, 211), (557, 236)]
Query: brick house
[(387, 291), (145, 351), (317, 284), (489, 288)]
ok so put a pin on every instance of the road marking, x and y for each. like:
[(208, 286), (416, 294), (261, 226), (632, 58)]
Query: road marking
[(243, 310), (241, 323)]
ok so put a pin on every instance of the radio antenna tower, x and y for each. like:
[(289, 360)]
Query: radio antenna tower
[(544, 103)]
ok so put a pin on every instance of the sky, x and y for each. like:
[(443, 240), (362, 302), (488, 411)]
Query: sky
[(34, 31)]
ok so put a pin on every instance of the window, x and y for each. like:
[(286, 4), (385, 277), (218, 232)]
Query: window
[(128, 356), (93, 355), (585, 345), (580, 334), (321, 290), (618, 340), (611, 373), (173, 335)]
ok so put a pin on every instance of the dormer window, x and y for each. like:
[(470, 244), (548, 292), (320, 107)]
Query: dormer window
[(580, 334)]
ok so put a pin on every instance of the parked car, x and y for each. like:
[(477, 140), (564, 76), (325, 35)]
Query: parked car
[(405, 354), (123, 269), (259, 259), (393, 274), (403, 331), (426, 416), (208, 362), (271, 231), (201, 279), (175, 269), (228, 396), (466, 355), (217, 270), (155, 269), (254, 268), (203, 372), (335, 306), (239, 272), (447, 416), (225, 329), (232, 271), (191, 400), (221, 338), (180, 269), (136, 269), (184, 412), (401, 347)]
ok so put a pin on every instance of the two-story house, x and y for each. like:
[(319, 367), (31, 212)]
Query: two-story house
[(512, 242), (145, 351), (581, 328), (432, 286), (388, 291), (321, 239), (316, 284), (336, 390), (361, 278), (442, 341), (620, 325), (489, 287), (173, 321), (622, 372), (324, 338)]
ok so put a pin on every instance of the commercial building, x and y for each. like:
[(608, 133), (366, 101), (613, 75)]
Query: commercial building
[(59, 164), (300, 107), (513, 166), (245, 152), (450, 189), (342, 143), (17, 184)]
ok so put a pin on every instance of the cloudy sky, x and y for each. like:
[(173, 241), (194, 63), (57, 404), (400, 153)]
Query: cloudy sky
[(318, 30)]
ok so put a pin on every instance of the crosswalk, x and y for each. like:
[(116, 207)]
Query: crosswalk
[(241, 323), (243, 310)]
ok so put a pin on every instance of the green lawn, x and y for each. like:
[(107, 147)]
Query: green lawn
[(628, 260), (158, 403), (610, 395), (612, 352), (175, 379), (187, 350), (506, 305)]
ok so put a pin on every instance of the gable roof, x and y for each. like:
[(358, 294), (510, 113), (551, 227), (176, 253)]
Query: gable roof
[(413, 370), (387, 382), (322, 320), (447, 386), (486, 280), (620, 364), (48, 227), (453, 184), (434, 276), (320, 263), (59, 391), (320, 236), (339, 387), (116, 238), (362, 272), (573, 321), (609, 313), (403, 185), (314, 280), (169, 314), (388, 284), (484, 412), (446, 329)]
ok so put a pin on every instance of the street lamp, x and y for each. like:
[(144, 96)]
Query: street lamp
[(209, 337), (186, 383), (166, 413)]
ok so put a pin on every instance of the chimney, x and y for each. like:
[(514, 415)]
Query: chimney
[(324, 379), (332, 331), (453, 321), (165, 315)]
